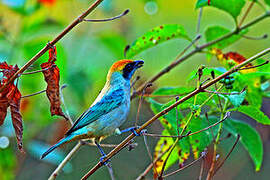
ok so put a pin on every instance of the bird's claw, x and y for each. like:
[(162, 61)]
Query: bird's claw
[(102, 160)]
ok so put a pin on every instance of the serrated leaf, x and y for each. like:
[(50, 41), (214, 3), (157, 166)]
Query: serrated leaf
[(255, 113), (215, 32), (237, 99), (250, 139), (233, 7), (156, 36)]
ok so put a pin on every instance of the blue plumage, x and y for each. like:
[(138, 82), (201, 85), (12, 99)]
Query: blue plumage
[(109, 110)]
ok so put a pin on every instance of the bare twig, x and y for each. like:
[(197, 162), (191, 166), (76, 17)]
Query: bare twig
[(64, 162), (140, 104), (221, 164), (36, 93), (199, 20), (109, 19), (246, 13), (38, 71), (53, 42), (166, 110), (256, 38), (252, 67), (190, 164), (201, 169), (151, 165), (232, 93)]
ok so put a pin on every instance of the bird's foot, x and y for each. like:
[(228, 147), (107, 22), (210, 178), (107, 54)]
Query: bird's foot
[(104, 162), (133, 130)]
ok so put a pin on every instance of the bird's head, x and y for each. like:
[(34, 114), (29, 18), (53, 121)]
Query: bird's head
[(125, 67)]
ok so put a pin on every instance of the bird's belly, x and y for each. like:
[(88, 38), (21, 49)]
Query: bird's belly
[(107, 123)]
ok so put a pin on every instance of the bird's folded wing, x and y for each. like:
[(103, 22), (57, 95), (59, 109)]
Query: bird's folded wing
[(108, 102)]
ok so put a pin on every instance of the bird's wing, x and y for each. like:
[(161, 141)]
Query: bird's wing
[(107, 103)]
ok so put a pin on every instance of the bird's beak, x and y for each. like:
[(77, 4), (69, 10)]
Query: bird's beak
[(139, 63)]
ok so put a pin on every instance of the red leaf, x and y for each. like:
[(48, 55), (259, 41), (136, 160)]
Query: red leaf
[(14, 99), (11, 96), (52, 77), (209, 1)]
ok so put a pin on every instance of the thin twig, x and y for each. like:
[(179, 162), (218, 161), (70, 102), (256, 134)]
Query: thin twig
[(199, 49), (101, 145), (199, 20), (53, 42), (246, 13), (252, 67), (231, 93), (36, 93), (108, 19), (221, 164), (190, 164), (201, 169), (64, 162), (265, 36), (38, 71), (140, 104), (63, 102), (151, 165)]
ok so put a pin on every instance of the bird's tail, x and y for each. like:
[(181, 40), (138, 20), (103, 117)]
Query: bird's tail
[(62, 141)]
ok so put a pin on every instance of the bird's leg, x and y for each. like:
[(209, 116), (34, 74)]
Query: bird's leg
[(102, 153), (133, 130)]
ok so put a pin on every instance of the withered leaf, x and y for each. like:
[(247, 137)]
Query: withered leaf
[(52, 77), (11, 97)]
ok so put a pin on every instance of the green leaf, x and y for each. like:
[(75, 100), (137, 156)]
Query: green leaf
[(201, 140), (255, 113), (237, 99), (267, 2), (156, 36), (214, 32), (233, 7), (250, 139)]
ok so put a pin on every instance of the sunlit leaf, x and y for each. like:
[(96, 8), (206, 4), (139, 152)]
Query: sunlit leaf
[(233, 7), (250, 139), (254, 113), (156, 36), (214, 32)]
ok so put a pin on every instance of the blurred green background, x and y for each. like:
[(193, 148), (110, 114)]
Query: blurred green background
[(84, 57)]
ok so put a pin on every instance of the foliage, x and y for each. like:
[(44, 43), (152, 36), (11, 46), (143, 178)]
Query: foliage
[(241, 92)]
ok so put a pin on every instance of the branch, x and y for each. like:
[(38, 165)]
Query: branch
[(109, 19), (198, 49), (64, 162), (221, 164), (166, 110), (53, 42)]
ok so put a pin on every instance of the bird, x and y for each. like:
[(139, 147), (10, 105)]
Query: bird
[(109, 110)]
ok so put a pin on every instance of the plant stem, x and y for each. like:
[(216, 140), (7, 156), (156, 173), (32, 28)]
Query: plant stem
[(214, 160), (64, 162)]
